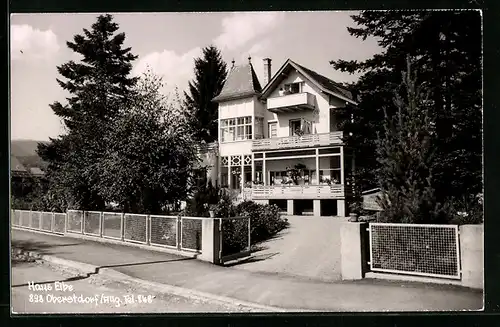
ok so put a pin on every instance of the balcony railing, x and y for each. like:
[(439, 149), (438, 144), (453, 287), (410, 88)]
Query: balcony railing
[(291, 102), (299, 192), (308, 140)]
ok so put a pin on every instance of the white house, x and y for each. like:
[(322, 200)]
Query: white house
[(288, 126)]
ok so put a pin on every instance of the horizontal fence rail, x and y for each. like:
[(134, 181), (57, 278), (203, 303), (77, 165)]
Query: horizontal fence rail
[(415, 249)]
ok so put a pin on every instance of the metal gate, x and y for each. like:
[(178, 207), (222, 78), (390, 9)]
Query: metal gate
[(415, 249)]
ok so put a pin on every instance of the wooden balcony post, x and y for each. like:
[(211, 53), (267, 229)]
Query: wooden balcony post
[(317, 166), (242, 173), (342, 181), (264, 172), (253, 169), (219, 170), (229, 173)]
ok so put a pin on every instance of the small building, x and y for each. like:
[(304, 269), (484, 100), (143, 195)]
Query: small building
[(370, 199)]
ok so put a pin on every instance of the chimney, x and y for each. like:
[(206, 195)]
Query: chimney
[(267, 70)]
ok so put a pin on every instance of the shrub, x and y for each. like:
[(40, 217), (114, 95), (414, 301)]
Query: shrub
[(265, 222), (204, 196), (224, 207), (265, 219), (467, 210)]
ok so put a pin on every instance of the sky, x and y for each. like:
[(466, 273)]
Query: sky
[(168, 43)]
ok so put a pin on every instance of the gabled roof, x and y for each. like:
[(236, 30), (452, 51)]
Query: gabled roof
[(372, 191), (36, 171), (17, 168), (323, 83), (240, 83)]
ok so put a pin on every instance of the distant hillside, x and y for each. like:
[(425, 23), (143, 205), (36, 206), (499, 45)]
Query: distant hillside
[(25, 152), (24, 148)]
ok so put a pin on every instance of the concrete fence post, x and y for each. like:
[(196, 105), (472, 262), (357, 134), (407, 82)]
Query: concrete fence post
[(210, 240), (52, 221), (352, 248), (179, 232), (101, 224), (472, 255), (122, 226), (148, 229), (82, 226), (66, 222)]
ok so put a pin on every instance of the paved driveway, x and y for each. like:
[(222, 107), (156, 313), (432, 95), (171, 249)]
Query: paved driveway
[(309, 248)]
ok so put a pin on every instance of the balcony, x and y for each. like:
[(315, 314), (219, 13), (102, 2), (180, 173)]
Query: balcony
[(207, 148), (304, 141), (292, 102), (260, 192)]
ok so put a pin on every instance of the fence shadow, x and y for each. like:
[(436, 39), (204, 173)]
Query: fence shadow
[(35, 246), (97, 269), (39, 246), (252, 259)]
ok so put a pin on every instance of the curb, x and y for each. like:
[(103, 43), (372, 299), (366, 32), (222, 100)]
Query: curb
[(157, 287)]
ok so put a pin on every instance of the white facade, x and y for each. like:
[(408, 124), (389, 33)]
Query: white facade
[(262, 136)]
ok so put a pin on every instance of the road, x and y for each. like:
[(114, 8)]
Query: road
[(38, 287)]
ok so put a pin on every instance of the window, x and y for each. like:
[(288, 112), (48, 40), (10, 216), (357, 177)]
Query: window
[(299, 127), (272, 129), (294, 127), (293, 88), (277, 177), (236, 129)]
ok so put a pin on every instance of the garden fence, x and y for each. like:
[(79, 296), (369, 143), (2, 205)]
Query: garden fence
[(415, 249), (50, 222), (176, 232)]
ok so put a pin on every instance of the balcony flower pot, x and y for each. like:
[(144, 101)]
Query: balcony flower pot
[(212, 214)]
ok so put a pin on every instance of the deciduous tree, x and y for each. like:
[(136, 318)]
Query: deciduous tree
[(148, 162)]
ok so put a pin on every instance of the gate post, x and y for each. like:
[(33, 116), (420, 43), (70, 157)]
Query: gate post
[(210, 240), (472, 255), (352, 250)]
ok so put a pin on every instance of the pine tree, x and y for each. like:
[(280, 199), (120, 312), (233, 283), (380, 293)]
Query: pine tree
[(446, 47), (100, 87), (210, 74), (406, 153)]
